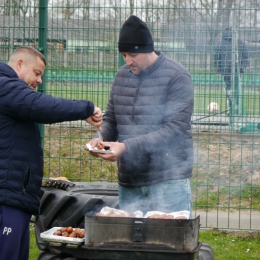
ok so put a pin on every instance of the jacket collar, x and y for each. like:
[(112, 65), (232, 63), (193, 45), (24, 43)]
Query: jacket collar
[(7, 71), (153, 67)]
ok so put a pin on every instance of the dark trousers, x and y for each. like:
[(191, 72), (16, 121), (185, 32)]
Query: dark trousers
[(227, 77), (14, 234)]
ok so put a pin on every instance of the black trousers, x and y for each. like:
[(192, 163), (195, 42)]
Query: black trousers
[(227, 77)]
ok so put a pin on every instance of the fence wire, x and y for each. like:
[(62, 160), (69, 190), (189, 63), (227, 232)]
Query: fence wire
[(82, 59)]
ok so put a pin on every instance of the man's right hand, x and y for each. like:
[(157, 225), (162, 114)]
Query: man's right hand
[(96, 119)]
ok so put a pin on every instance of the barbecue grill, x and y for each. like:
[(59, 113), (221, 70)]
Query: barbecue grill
[(142, 238), (113, 238)]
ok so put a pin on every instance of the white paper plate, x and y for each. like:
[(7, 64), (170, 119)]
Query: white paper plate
[(48, 236), (96, 150)]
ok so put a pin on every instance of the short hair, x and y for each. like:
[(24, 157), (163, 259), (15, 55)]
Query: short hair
[(31, 51)]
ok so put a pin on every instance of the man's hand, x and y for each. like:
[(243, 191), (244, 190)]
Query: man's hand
[(116, 147), (93, 143), (96, 119)]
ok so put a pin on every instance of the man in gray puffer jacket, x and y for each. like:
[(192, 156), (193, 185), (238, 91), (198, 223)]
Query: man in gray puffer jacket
[(147, 124)]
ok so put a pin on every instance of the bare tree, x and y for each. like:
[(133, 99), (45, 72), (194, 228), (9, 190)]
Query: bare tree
[(218, 12), (68, 9), (24, 7), (256, 6), (114, 8), (17, 7), (85, 9), (131, 5), (11, 7), (34, 10), (226, 12)]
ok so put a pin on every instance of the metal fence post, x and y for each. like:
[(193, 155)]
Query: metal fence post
[(42, 47)]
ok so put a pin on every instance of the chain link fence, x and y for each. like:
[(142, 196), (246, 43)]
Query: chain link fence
[(79, 39)]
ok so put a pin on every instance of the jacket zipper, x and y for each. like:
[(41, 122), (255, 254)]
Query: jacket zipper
[(137, 92), (27, 177)]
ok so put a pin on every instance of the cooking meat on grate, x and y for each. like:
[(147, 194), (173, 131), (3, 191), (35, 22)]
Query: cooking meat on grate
[(162, 216), (112, 212)]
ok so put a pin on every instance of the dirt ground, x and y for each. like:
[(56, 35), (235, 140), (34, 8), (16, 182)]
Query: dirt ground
[(222, 157), (231, 156)]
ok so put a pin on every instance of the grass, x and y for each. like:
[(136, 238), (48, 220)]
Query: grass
[(232, 245), (65, 156), (202, 96), (240, 197), (34, 250), (225, 245)]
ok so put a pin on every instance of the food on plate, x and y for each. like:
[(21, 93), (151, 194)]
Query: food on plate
[(65, 234), (73, 234), (70, 232), (100, 146), (69, 229), (57, 233)]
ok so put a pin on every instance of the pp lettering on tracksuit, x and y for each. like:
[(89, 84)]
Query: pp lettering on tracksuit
[(7, 231)]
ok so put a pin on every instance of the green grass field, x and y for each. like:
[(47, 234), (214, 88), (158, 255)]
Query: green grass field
[(203, 96), (34, 250)]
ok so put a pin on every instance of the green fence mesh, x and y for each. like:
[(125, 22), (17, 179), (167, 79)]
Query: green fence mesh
[(79, 39)]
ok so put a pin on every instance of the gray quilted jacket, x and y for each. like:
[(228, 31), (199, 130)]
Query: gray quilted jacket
[(151, 114)]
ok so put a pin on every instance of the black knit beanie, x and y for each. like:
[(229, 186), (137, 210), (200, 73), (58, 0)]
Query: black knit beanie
[(135, 36)]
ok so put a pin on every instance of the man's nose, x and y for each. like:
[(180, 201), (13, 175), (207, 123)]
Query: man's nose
[(128, 60), (39, 80)]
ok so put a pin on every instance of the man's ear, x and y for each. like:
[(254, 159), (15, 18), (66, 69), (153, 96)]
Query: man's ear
[(19, 65)]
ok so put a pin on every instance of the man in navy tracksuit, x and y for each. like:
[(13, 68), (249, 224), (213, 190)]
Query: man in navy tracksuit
[(21, 155)]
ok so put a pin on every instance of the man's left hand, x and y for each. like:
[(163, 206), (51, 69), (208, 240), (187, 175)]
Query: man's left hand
[(117, 148)]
